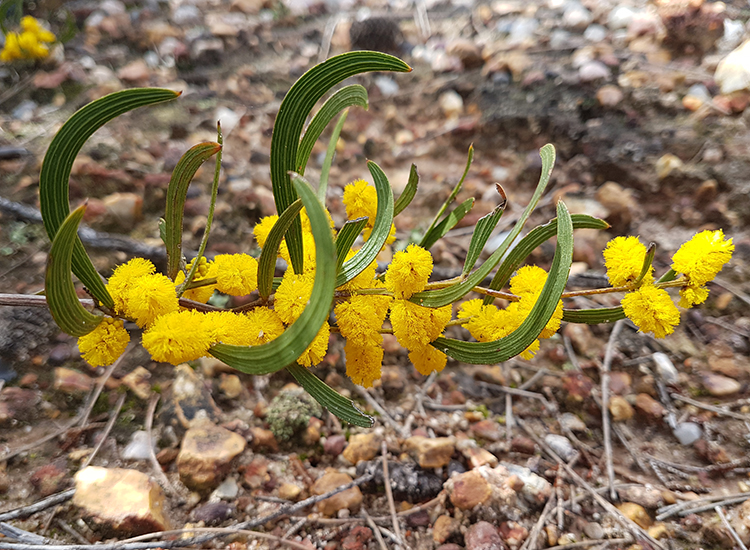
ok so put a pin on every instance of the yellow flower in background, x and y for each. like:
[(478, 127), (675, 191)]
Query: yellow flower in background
[(236, 274), (528, 284), (12, 49), (29, 43), (692, 295), (416, 326), (122, 280), (364, 279), (652, 310), (292, 295), (361, 201), (703, 256), (409, 271), (316, 351), (227, 327), (364, 360), (32, 48), (178, 337), (149, 297), (428, 360), (103, 345), (624, 258), (31, 25), (528, 280), (265, 325), (263, 228), (483, 319), (358, 318)]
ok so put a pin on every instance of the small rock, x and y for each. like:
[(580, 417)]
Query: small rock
[(649, 498), (357, 538), (535, 490), (593, 70), (140, 503), (488, 430), (620, 17), (263, 440), (609, 96), (687, 433), (334, 445), (718, 385), (289, 491), (523, 444), (595, 33), (256, 473), (468, 490), (418, 519), (666, 165), (636, 513), (138, 382), (227, 490), (649, 407), (362, 447), (206, 455), (50, 478), (136, 72), (513, 533), (430, 453), (476, 456), (467, 51), (522, 31), (452, 104), (213, 513), (620, 409), (483, 536), (187, 14), (59, 354), (137, 448), (561, 445), (230, 385), (188, 400), (665, 368), (408, 481), (620, 382), (71, 381), (577, 17), (350, 499), (123, 210), (18, 404), (569, 421), (444, 528)]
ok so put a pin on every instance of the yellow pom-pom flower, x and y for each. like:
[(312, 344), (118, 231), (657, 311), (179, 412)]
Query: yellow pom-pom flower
[(528, 280), (103, 345), (483, 321), (227, 327), (265, 325), (205, 270), (428, 360), (624, 258), (149, 297), (409, 271), (364, 360), (12, 49), (528, 284), (263, 228), (361, 201), (415, 326), (652, 310), (703, 256), (178, 337), (236, 274), (316, 351), (358, 318), (692, 295), (122, 280), (292, 295)]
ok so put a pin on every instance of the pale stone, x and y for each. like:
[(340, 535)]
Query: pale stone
[(121, 500), (720, 386), (468, 490), (137, 382), (362, 447), (620, 409), (289, 491), (206, 455), (72, 381), (637, 513), (230, 385), (430, 453), (351, 499)]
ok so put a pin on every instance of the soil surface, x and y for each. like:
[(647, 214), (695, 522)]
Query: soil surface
[(645, 139)]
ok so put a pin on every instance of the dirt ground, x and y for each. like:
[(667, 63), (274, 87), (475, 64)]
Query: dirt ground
[(639, 147)]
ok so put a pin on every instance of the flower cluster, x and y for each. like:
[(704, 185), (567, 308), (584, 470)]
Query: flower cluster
[(647, 303), (30, 43)]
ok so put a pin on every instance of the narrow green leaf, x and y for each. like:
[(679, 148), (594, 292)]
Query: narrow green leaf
[(452, 196), (67, 311), (647, 261), (446, 224), (330, 152), (445, 296), (343, 408), (345, 239), (488, 353), (408, 193), (484, 228), (285, 349), (267, 261), (290, 120), (593, 316), (348, 96), (535, 238), (380, 231), (53, 180), (182, 175)]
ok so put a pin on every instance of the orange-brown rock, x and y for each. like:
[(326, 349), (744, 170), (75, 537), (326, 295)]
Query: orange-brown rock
[(332, 479)]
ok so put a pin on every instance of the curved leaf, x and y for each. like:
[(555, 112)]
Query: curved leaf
[(445, 296), (484, 228), (348, 96), (329, 398), (182, 175), (66, 310), (446, 224), (380, 231), (345, 239), (487, 353), (408, 193), (58, 161), (535, 238), (290, 120), (285, 349), (593, 316), (267, 261)]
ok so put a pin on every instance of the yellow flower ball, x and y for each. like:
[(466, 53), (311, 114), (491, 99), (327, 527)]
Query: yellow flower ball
[(703, 256), (236, 274), (361, 201), (103, 345), (409, 271), (292, 295), (415, 326), (364, 360), (316, 351), (624, 258), (265, 325), (263, 228), (205, 270), (122, 280), (149, 297), (652, 310), (178, 337), (428, 360), (358, 318)]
